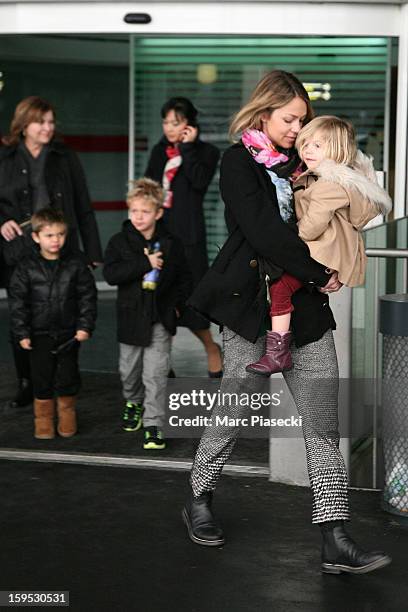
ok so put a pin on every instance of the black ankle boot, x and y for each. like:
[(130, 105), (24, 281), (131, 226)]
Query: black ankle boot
[(200, 523), (341, 554), (24, 395)]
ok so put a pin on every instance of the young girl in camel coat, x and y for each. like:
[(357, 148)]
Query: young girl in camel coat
[(334, 199)]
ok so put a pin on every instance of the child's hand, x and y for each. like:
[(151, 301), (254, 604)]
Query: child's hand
[(81, 335), (156, 259), (25, 343), (333, 284), (177, 313)]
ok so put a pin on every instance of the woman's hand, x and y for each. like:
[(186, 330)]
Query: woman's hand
[(25, 344), (10, 229), (333, 285), (189, 134), (81, 335)]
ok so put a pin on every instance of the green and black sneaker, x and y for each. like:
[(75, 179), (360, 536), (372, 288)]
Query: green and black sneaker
[(153, 439), (132, 417)]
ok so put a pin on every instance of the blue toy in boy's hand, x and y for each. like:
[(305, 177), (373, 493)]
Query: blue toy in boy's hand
[(151, 278)]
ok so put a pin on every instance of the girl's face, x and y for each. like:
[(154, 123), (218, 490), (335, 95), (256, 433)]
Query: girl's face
[(313, 151), (283, 124), (39, 133), (173, 127)]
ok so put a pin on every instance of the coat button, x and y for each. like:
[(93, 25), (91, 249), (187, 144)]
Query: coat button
[(253, 263), (59, 195), (24, 171), (25, 191)]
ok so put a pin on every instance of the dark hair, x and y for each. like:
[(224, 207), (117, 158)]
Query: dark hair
[(47, 216), (182, 107), (29, 110)]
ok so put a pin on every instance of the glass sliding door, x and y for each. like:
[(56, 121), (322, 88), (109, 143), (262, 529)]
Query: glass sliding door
[(346, 76)]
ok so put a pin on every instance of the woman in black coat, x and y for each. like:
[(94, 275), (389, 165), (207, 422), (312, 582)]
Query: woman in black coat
[(254, 185), (37, 171), (185, 165)]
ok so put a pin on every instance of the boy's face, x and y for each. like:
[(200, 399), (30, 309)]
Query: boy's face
[(51, 239), (143, 215)]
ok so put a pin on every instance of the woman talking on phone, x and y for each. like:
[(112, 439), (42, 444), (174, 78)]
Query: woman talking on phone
[(185, 166)]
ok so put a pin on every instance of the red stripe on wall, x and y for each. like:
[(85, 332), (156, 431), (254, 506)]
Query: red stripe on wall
[(99, 143), (109, 205)]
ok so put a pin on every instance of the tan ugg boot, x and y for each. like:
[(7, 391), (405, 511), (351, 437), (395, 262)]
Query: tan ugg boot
[(67, 423), (44, 413)]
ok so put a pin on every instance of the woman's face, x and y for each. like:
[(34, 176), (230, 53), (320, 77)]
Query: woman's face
[(39, 133), (173, 127), (283, 124)]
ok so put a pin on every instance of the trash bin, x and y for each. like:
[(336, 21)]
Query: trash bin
[(394, 327)]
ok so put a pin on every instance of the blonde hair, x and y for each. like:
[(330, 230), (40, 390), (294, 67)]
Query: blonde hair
[(29, 110), (338, 136), (148, 189), (273, 91)]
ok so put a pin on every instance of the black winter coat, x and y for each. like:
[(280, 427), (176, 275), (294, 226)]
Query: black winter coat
[(186, 217), (126, 264), (67, 189), (233, 292), (56, 301)]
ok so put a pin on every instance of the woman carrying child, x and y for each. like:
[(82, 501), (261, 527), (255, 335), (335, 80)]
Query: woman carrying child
[(256, 194)]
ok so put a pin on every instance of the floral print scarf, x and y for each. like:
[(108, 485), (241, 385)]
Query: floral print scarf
[(282, 166)]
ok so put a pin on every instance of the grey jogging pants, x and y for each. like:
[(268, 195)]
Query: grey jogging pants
[(143, 372)]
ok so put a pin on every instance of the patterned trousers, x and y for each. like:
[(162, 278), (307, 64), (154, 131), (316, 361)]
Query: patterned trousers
[(313, 382)]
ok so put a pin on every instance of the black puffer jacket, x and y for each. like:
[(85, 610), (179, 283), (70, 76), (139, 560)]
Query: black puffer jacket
[(67, 190), (125, 266), (55, 301)]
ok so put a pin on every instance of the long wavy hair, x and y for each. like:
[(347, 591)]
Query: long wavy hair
[(29, 110), (273, 91)]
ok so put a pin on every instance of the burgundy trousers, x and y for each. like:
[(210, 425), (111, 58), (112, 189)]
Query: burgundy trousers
[(281, 292)]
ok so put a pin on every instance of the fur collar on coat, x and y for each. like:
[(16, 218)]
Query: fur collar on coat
[(361, 178)]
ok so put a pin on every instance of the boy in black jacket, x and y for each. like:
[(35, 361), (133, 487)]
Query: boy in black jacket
[(149, 266), (52, 298)]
